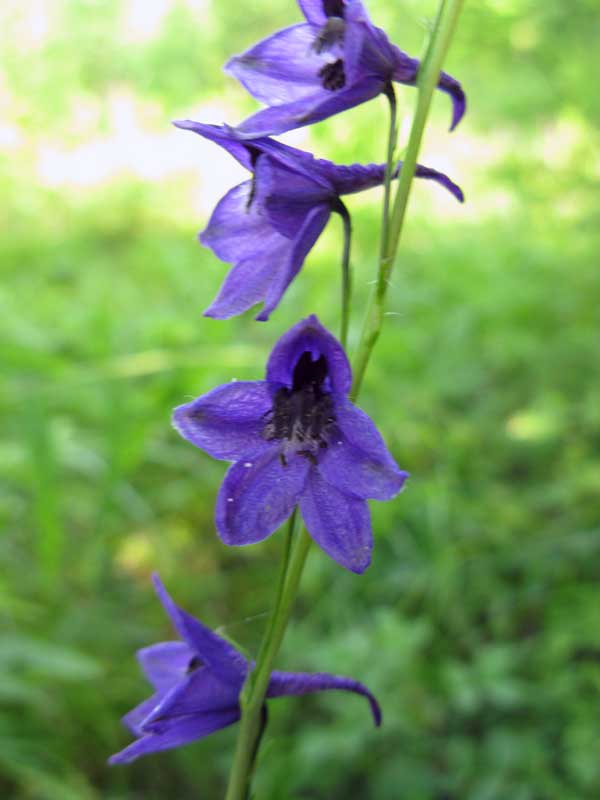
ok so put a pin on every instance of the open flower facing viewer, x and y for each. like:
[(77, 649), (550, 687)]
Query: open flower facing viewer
[(295, 439)]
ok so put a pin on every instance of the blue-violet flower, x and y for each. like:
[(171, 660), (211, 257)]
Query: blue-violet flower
[(336, 60), (266, 226), (197, 683), (295, 439)]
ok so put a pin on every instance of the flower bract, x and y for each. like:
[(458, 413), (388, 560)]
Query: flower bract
[(197, 683), (335, 60), (267, 225), (295, 439)]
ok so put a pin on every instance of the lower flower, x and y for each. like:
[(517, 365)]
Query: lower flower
[(197, 683)]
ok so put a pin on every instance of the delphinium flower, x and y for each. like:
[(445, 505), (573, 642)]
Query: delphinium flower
[(295, 439), (197, 683), (267, 225), (337, 59)]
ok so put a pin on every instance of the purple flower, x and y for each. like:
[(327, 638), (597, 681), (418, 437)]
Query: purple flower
[(267, 225), (197, 683), (295, 439), (336, 60)]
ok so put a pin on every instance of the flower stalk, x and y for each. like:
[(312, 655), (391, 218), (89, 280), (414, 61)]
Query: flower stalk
[(297, 545), (298, 542), (341, 209), (390, 93), (427, 81)]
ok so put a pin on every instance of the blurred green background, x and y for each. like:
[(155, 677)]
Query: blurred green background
[(478, 624)]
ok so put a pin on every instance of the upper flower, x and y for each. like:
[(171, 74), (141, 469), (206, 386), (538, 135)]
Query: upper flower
[(197, 683), (295, 439), (337, 59), (266, 226)]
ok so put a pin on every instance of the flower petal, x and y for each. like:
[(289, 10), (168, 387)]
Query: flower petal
[(312, 108), (268, 259), (313, 11), (180, 732), (406, 70), (215, 652), (292, 159), (310, 336), (198, 692), (133, 719), (347, 179), (237, 230), (306, 237), (226, 423), (356, 34), (339, 524), (165, 663), (287, 196), (356, 12), (405, 67), (357, 462), (282, 68), (241, 233), (256, 497), (299, 683), (221, 135), (247, 283), (452, 87), (242, 150), (439, 177), (357, 177)]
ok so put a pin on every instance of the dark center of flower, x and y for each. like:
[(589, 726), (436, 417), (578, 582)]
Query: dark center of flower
[(333, 8), (302, 415), (309, 373), (333, 76)]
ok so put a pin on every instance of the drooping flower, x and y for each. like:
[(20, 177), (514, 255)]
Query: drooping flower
[(336, 60), (267, 225), (197, 683), (295, 439)]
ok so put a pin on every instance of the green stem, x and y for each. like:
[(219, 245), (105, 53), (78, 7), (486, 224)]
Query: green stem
[(262, 726), (371, 333), (341, 209), (389, 168), (253, 694), (427, 81)]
